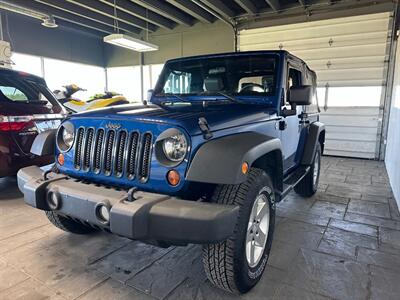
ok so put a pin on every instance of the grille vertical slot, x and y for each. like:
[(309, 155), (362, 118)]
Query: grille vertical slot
[(88, 149), (131, 158), (144, 168), (110, 139), (97, 151), (119, 154), (78, 148)]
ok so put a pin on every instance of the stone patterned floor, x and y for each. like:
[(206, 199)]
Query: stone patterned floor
[(344, 243)]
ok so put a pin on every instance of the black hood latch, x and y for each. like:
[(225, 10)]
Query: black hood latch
[(205, 128)]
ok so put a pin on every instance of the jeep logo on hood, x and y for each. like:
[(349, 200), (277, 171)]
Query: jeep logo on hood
[(114, 126)]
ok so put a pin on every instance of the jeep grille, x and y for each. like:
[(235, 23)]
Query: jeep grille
[(117, 153)]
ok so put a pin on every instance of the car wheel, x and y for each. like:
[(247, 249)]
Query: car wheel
[(68, 224), (309, 184), (237, 264)]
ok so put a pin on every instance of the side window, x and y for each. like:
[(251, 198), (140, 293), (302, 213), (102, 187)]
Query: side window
[(12, 93), (294, 79)]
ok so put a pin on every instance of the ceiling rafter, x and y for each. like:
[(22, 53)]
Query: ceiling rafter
[(167, 10), (193, 10), (107, 10), (274, 4), (220, 7), (66, 16), (248, 6), (76, 10), (141, 12)]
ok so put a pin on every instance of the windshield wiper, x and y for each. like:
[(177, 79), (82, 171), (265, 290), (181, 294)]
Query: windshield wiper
[(229, 97), (174, 95)]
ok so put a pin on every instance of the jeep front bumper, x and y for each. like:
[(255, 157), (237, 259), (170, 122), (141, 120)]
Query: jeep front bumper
[(148, 217)]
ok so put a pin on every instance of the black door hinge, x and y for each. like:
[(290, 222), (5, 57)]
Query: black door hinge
[(282, 125)]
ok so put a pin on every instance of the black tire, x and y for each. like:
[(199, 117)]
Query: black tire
[(225, 263), (307, 186), (67, 224)]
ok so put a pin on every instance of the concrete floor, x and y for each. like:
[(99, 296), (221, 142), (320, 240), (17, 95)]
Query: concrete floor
[(344, 243)]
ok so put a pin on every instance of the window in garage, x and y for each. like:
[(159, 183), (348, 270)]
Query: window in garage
[(27, 63), (59, 73), (349, 56), (150, 77), (125, 80)]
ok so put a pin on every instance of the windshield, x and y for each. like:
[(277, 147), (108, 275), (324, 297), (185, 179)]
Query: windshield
[(250, 75)]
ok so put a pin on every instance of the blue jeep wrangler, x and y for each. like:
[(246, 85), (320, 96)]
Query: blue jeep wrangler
[(223, 139)]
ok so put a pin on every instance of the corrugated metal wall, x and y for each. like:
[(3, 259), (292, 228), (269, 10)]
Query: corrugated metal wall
[(345, 52)]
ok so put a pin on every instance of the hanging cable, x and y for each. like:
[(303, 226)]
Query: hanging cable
[(116, 25)]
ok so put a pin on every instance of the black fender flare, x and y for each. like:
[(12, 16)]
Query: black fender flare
[(219, 161), (44, 143), (313, 137)]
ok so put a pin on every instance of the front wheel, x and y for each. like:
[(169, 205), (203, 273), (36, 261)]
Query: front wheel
[(237, 264), (67, 224)]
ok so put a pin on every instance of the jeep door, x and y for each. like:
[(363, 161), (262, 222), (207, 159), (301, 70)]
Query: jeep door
[(292, 129)]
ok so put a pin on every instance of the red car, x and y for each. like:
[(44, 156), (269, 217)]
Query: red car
[(27, 107)]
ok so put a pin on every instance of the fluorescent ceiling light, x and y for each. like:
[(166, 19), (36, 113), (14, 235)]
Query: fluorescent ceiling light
[(129, 42)]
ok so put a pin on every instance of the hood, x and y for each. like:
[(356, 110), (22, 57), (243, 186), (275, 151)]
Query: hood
[(218, 116)]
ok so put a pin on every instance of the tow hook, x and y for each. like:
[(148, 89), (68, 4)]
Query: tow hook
[(131, 194)]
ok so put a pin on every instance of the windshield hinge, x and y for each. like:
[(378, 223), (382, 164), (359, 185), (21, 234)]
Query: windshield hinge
[(205, 128)]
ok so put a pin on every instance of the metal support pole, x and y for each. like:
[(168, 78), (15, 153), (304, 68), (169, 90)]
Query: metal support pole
[(141, 77)]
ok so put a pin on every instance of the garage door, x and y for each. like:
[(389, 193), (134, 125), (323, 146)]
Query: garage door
[(350, 58)]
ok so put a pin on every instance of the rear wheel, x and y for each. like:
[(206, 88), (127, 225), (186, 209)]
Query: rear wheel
[(67, 224), (309, 184), (237, 264)]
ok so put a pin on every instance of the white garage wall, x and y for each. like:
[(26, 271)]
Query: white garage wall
[(349, 57), (392, 158)]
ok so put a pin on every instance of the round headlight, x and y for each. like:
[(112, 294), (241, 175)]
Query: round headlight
[(66, 136), (175, 147)]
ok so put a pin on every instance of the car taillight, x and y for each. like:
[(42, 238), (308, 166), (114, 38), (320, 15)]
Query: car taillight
[(15, 123)]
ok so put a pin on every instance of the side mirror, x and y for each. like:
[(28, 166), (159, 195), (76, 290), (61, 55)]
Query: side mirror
[(149, 94), (301, 95)]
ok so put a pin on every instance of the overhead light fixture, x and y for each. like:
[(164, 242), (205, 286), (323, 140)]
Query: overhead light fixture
[(129, 42), (47, 19), (49, 22)]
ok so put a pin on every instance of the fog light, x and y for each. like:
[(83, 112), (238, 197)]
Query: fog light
[(103, 213), (173, 177), (53, 200), (60, 159)]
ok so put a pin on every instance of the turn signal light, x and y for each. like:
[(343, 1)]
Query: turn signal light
[(245, 168), (173, 177), (60, 159)]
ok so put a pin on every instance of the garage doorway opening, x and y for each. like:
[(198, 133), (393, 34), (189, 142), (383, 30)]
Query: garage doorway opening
[(350, 56)]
